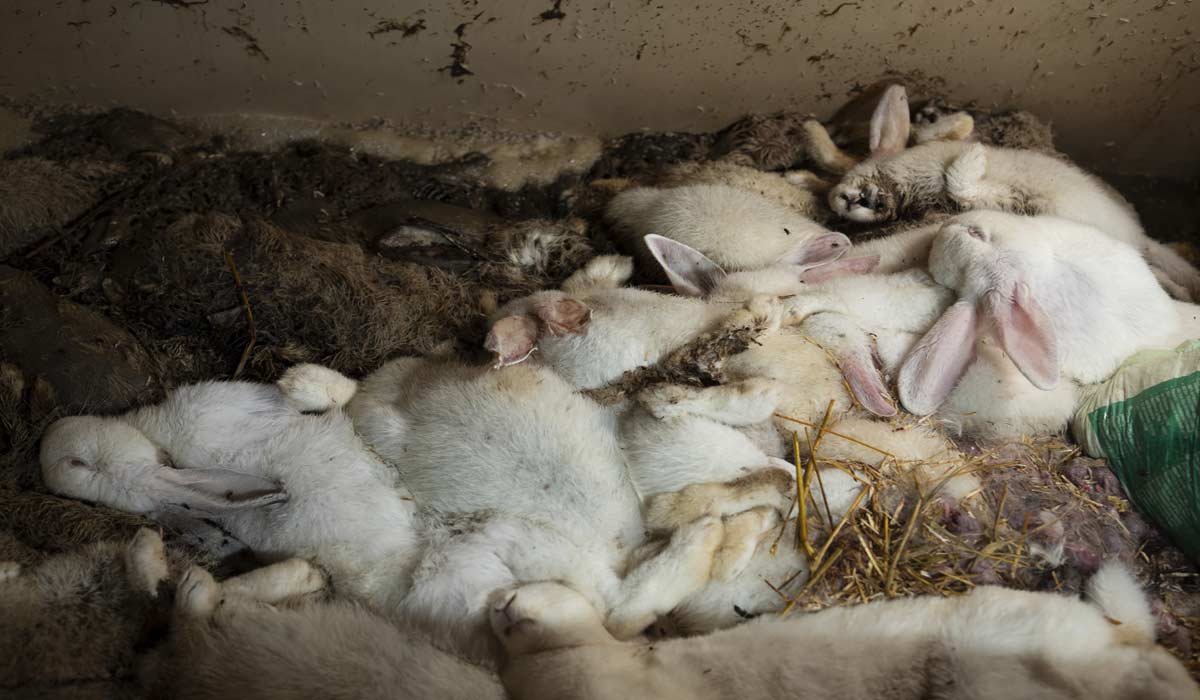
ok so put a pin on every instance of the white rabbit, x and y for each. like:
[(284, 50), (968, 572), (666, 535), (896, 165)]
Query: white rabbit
[(737, 228), (226, 640), (530, 474), (243, 455), (957, 175), (990, 644), (795, 189), (1064, 305)]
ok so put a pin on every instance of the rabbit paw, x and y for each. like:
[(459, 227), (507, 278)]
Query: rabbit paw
[(601, 272), (315, 388), (146, 562), (965, 173), (278, 582), (743, 533), (198, 593), (737, 403)]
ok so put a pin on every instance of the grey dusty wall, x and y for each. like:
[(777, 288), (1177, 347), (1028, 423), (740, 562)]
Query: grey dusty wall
[(1120, 79)]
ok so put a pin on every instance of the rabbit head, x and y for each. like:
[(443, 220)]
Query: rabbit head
[(1000, 272), (862, 195), (866, 193), (693, 274), (513, 337), (108, 461), (545, 615)]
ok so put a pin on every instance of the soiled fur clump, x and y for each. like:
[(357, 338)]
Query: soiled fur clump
[(334, 650), (311, 300), (780, 141), (1008, 128), (37, 195), (76, 621)]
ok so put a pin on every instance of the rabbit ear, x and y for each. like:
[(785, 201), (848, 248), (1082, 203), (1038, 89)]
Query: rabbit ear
[(214, 492), (890, 122), (1026, 333), (691, 273), (564, 316), (866, 382), (934, 366), (513, 339), (818, 251), (840, 268)]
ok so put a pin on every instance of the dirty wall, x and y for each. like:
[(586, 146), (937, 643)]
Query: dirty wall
[(1119, 80)]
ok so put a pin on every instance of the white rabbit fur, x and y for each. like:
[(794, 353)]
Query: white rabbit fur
[(242, 454), (737, 228), (959, 175), (795, 189), (990, 644), (531, 473), (531, 487), (695, 440), (1047, 289), (227, 640)]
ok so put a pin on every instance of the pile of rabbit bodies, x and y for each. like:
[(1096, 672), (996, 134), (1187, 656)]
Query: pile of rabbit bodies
[(498, 517)]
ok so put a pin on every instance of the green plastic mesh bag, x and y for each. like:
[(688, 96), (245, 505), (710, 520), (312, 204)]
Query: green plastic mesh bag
[(1146, 420)]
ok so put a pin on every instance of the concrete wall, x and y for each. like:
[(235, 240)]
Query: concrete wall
[(1120, 79)]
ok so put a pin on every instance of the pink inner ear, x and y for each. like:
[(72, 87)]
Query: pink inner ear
[(934, 366), (564, 316), (841, 268), (866, 383), (819, 251), (690, 271), (890, 123), (1026, 333), (513, 339)]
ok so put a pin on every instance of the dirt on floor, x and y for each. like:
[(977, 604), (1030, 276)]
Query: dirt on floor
[(138, 254)]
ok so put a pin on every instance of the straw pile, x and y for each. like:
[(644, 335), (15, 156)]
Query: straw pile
[(1044, 518)]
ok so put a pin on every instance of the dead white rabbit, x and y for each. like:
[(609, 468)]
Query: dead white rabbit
[(738, 228), (991, 644), (243, 455), (1064, 306), (228, 639), (952, 176), (530, 473)]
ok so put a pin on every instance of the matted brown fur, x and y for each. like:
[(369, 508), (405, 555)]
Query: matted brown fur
[(74, 626), (311, 300), (37, 195)]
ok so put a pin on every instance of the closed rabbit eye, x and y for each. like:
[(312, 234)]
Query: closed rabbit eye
[(977, 233), (76, 463)]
